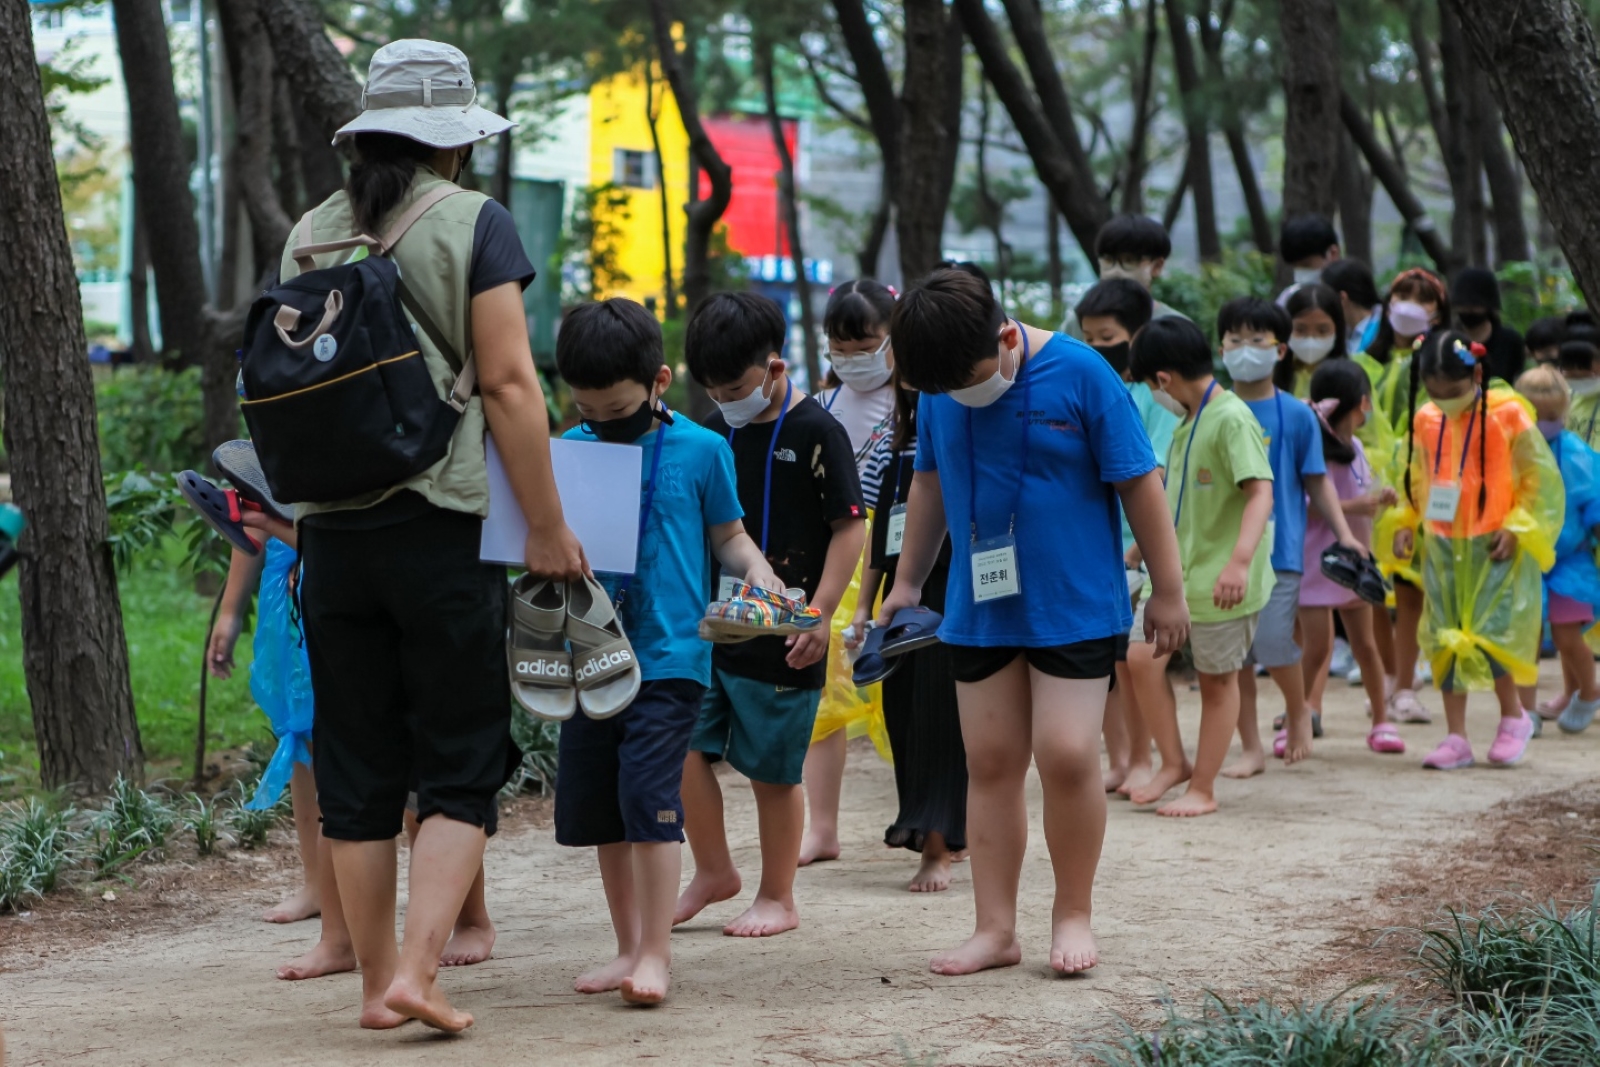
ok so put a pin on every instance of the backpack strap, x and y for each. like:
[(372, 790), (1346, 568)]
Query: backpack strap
[(467, 379), (303, 252)]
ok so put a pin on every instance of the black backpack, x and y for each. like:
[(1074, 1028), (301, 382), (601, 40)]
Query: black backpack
[(335, 389)]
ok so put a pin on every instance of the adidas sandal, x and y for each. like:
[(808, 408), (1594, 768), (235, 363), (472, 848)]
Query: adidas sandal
[(872, 665), (604, 668), (911, 629), (237, 461), (756, 612), (221, 510), (541, 668)]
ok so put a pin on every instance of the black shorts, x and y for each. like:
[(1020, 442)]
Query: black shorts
[(1096, 658), (405, 628)]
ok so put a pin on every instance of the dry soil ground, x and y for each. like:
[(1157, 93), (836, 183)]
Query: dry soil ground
[(1258, 898)]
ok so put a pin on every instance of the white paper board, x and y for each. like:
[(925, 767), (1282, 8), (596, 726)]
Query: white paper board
[(599, 487)]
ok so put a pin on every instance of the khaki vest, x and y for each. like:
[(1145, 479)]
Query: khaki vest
[(435, 258)]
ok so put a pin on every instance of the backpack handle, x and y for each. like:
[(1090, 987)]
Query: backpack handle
[(288, 319)]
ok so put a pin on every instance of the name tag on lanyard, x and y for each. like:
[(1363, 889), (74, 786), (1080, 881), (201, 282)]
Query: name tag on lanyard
[(994, 569), (1443, 503), (895, 530)]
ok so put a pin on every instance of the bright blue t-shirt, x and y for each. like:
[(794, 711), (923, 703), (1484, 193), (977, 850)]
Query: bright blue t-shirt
[(1574, 574), (1158, 426), (1084, 434), (1294, 447), (695, 489)]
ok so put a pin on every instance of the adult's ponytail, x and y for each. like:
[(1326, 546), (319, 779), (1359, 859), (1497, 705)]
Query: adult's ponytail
[(384, 168)]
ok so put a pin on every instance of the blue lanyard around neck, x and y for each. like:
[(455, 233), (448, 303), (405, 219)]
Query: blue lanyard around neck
[(1277, 438), (1466, 445), (1183, 483), (972, 460), (644, 511), (766, 484)]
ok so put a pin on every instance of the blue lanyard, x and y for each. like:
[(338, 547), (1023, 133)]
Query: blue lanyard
[(972, 459), (828, 404), (1188, 447), (766, 485), (644, 512), (1466, 446), (1277, 438)]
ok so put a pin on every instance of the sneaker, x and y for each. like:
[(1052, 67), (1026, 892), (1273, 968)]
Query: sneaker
[(1386, 740), (1424, 674), (1344, 661), (1552, 708), (1511, 740), (1578, 716), (1405, 707), (1453, 753), (1353, 677)]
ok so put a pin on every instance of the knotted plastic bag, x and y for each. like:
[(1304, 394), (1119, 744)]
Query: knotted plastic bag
[(280, 675)]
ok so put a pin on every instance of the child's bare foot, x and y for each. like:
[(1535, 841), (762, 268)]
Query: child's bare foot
[(1192, 803), (1138, 777), (647, 984), (305, 904), (1248, 765), (1161, 783), (425, 1003), (1072, 946), (1113, 777), (764, 918), (605, 978), (704, 890), (979, 952), (933, 876), (375, 1015), (321, 960), (819, 848), (468, 945), (1299, 746)]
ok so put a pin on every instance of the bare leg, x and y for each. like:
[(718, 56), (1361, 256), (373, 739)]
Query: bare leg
[(1219, 713), (1577, 661), (996, 725), (1297, 717), (1358, 629), (1383, 633), (1140, 769), (824, 778), (306, 902), (657, 867), (1252, 752), (1455, 712), (933, 874), (781, 816), (1316, 629), (366, 876), (1407, 616), (715, 877), (472, 940), (616, 874), (1505, 690), (1159, 710), (334, 953), (1074, 809), (446, 859), (1118, 751)]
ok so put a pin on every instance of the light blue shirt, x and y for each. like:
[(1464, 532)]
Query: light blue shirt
[(1158, 426), (1295, 451)]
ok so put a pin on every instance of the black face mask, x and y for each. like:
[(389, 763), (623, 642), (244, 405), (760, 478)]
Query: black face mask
[(1116, 355), (1473, 319), (629, 428)]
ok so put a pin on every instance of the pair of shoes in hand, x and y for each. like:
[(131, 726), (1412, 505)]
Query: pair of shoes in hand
[(567, 650)]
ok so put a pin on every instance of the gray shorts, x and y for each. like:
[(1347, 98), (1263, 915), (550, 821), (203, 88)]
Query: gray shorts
[(1222, 647), (1138, 581), (1274, 644)]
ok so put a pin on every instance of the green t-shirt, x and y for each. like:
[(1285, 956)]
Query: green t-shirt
[(1583, 418), (1227, 450)]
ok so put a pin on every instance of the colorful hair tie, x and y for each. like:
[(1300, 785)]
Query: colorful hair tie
[(1468, 354)]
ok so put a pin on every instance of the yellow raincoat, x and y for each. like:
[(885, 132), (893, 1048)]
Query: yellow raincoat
[(1583, 418)]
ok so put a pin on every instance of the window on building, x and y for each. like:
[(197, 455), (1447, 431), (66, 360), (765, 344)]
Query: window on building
[(633, 169)]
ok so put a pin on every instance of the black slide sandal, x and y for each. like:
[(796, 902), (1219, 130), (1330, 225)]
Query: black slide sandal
[(219, 508)]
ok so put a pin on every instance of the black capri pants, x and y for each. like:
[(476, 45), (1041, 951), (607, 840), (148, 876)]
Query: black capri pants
[(406, 633)]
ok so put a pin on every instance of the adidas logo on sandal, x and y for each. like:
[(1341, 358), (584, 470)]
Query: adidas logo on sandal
[(544, 669), (605, 662)]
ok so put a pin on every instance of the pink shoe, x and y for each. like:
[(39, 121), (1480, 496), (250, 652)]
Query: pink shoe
[(1407, 708), (1511, 740), (1386, 740), (1280, 743), (1552, 708), (1453, 753)]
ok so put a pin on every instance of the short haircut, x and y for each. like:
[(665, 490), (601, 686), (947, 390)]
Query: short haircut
[(1581, 326), (730, 333), (1253, 313), (1576, 355), (1547, 390), (1305, 236), (613, 341), (857, 310), (1172, 344), (1132, 235), (965, 265), (1122, 299), (1354, 279), (1545, 333), (942, 328)]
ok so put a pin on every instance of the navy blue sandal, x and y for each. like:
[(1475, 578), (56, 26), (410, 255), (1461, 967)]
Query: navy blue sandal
[(871, 665), (911, 629), (220, 508)]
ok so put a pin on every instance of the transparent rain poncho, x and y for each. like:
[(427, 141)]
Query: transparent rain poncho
[(280, 675), (1575, 574)]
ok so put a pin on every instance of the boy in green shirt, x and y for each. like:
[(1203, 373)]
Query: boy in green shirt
[(1219, 486)]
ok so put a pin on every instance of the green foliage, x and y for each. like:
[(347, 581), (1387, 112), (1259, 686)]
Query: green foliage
[(146, 509), (590, 250), (151, 418), (1201, 295), (130, 823), (1529, 291), (537, 739), (251, 826), (37, 844), (201, 818), (1516, 962)]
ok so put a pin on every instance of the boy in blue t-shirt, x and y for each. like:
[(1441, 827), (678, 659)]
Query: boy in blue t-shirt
[(619, 781), (1255, 335)]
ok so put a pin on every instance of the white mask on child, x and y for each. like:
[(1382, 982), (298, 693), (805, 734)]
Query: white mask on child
[(741, 412), (1311, 349), (863, 371), (1584, 386), (1164, 398), (1251, 364), (1307, 275), (990, 389)]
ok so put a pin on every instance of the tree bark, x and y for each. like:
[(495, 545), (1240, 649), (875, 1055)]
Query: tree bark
[(257, 92), (143, 347), (925, 137), (1393, 180), (1462, 145), (1505, 183), (1355, 201), (883, 114), (323, 84), (1174, 207), (791, 216), (1198, 131), (1133, 172), (652, 115), (75, 656), (1310, 30), (1211, 39)]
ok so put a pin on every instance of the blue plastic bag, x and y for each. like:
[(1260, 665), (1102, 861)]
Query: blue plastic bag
[(280, 676)]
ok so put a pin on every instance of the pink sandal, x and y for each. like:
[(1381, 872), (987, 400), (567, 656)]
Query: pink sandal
[(1386, 740), (1280, 743)]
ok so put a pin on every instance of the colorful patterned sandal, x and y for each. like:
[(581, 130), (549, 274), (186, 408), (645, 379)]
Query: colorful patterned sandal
[(756, 612)]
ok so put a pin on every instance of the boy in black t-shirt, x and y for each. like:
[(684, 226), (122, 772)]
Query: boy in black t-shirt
[(802, 501)]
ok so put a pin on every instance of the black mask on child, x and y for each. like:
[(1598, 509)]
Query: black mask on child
[(1116, 355), (1473, 319), (629, 428)]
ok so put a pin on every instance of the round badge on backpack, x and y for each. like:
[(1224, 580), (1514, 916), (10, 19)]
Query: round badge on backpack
[(325, 348)]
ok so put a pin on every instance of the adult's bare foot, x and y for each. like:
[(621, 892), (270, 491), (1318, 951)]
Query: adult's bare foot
[(321, 960), (1138, 777), (703, 891), (933, 876), (764, 918), (980, 952), (818, 847), (605, 978), (306, 903), (647, 984), (469, 944), (1161, 783), (1072, 946), (427, 1004), (1248, 765), (1189, 805)]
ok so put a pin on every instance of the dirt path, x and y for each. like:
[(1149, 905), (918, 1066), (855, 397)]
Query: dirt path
[(1244, 900)]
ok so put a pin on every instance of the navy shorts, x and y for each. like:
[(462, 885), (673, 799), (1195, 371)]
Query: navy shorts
[(621, 779)]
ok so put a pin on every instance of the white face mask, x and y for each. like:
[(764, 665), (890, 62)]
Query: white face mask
[(987, 391), (1408, 318), (1250, 364), (1307, 275), (742, 412), (1584, 386), (1144, 273), (1311, 349), (1164, 398), (863, 371)]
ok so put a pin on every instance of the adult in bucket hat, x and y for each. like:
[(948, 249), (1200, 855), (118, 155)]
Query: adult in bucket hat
[(1475, 295), (404, 625)]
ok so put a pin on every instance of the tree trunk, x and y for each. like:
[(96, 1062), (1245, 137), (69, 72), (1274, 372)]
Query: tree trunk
[(652, 115), (925, 137), (1053, 272), (1133, 172), (1462, 146), (319, 160), (883, 113), (1169, 214), (791, 218), (1211, 40), (161, 169), (872, 244), (1311, 136), (1355, 201), (75, 656), (1393, 180), (143, 348), (1505, 182), (320, 75), (1199, 134), (1542, 67), (257, 94)]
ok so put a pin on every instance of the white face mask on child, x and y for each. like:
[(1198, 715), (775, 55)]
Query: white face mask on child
[(1311, 349), (1164, 398), (1250, 364), (741, 412)]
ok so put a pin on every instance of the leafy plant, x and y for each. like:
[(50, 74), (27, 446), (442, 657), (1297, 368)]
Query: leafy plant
[(130, 823), (38, 843), (202, 819), (151, 418), (145, 508), (1201, 295), (538, 740), (251, 826)]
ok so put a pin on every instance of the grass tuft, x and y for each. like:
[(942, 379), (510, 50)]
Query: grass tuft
[(131, 823), (38, 844)]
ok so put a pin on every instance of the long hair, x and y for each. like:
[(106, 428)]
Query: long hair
[(1316, 297), (1454, 357), (1414, 284), (858, 309), (1344, 382), (905, 416), (384, 168)]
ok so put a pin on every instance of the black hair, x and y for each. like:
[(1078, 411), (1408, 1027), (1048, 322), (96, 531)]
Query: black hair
[(1441, 356), (1477, 287), (1120, 298), (905, 415), (857, 310), (1319, 297), (1545, 333), (1173, 344), (613, 341), (1305, 236), (944, 326), (384, 167), (1577, 355), (1345, 381), (965, 266), (1254, 313), (1382, 347), (1132, 235), (730, 333), (1581, 326), (1354, 279)]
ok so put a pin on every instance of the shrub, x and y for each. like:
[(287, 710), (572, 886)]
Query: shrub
[(251, 826), (1201, 295), (130, 823), (37, 845), (152, 419), (202, 819), (537, 739)]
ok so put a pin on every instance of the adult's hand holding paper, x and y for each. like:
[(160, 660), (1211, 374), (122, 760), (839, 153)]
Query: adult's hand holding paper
[(599, 487)]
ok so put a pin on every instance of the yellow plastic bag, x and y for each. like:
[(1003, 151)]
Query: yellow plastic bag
[(858, 712)]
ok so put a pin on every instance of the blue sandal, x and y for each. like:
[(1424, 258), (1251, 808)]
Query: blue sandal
[(871, 665), (909, 630)]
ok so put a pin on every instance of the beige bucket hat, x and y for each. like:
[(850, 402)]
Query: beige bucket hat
[(423, 90)]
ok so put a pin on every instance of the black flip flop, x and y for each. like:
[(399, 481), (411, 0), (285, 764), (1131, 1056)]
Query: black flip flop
[(911, 629), (238, 462), (220, 509)]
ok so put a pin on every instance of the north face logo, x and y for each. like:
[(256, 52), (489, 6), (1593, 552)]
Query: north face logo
[(605, 662), (544, 669), (785, 454)]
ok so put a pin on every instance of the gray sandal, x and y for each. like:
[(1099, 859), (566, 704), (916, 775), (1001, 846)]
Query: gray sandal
[(536, 653), (604, 667)]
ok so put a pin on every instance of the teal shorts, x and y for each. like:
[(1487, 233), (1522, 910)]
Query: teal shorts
[(762, 730)]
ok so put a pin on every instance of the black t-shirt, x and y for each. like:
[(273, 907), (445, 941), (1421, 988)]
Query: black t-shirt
[(814, 484), (1507, 354)]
